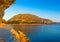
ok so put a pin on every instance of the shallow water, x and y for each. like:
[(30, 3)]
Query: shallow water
[(6, 35)]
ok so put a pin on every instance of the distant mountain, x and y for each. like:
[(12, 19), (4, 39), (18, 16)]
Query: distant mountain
[(28, 19)]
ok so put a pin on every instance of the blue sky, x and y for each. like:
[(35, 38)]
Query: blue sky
[(49, 9)]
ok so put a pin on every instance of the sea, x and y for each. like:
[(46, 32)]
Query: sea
[(47, 33)]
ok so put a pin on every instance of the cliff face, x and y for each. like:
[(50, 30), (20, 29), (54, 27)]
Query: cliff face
[(4, 4), (28, 19)]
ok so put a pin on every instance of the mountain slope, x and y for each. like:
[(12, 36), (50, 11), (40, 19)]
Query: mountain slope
[(28, 19)]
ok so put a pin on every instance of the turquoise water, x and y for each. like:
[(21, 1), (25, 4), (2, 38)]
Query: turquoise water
[(49, 33)]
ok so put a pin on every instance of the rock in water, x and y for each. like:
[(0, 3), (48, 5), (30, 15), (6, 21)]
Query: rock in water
[(8, 34)]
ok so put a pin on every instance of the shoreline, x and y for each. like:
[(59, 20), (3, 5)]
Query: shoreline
[(30, 24)]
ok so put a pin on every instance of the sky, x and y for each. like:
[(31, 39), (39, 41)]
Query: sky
[(48, 9)]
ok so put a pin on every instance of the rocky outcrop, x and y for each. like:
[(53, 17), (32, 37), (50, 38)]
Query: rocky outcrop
[(28, 19), (4, 4)]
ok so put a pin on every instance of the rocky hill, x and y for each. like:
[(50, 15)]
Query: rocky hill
[(28, 19)]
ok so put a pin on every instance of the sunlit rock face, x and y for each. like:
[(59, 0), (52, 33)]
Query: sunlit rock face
[(4, 4)]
